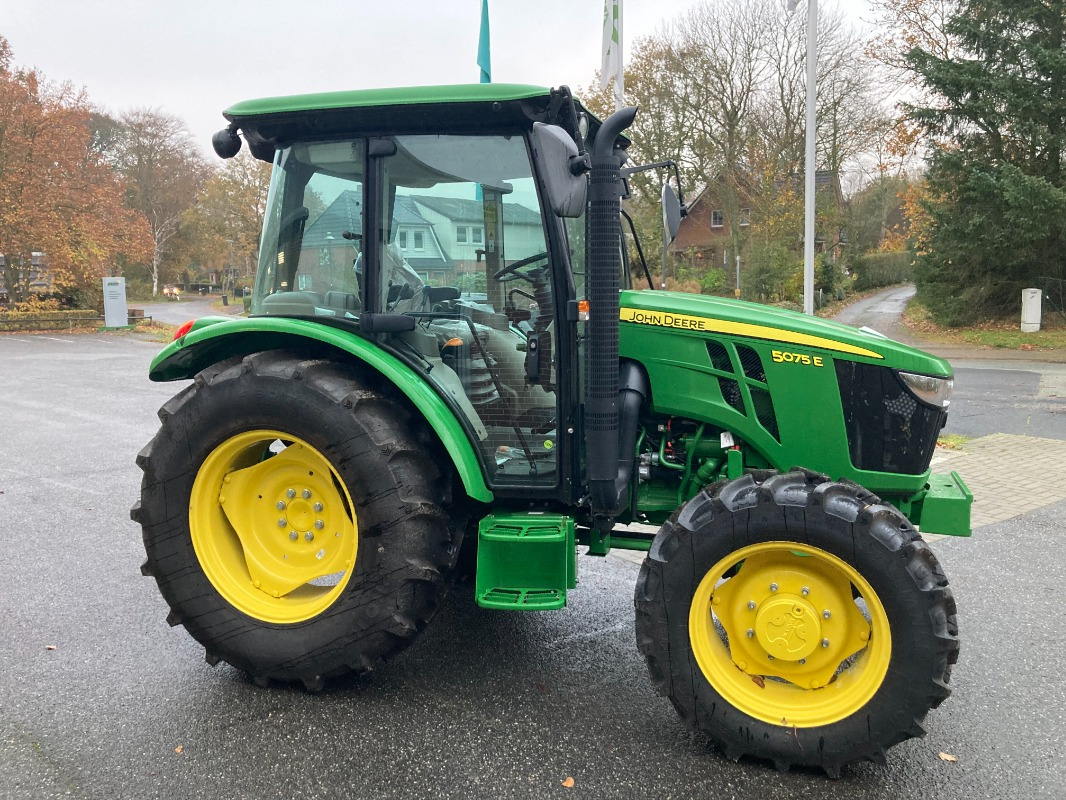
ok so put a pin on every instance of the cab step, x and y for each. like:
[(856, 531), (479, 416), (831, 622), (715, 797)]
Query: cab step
[(525, 561)]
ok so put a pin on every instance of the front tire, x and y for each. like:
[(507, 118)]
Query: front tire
[(796, 620), (294, 518)]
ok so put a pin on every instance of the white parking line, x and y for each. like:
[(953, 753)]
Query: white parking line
[(54, 339)]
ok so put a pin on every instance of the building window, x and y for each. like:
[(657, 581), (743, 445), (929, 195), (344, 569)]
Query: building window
[(402, 238), (745, 217), (460, 234), (420, 243), (717, 219), (476, 235)]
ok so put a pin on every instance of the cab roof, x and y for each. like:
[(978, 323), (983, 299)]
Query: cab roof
[(275, 122), (376, 98)]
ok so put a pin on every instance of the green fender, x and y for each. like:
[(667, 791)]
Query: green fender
[(212, 339)]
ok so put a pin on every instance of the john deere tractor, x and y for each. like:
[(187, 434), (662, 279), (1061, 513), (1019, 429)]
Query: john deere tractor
[(447, 367)]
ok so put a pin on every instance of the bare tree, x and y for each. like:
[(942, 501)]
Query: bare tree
[(164, 173)]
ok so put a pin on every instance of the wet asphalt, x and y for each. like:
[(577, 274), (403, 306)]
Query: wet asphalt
[(484, 705)]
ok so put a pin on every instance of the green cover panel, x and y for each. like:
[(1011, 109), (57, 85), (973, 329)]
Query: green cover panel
[(946, 506)]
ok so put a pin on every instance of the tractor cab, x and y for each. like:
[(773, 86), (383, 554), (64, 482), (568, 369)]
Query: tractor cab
[(446, 246)]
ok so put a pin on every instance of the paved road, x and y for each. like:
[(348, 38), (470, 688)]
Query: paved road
[(177, 312), (486, 705), (881, 312)]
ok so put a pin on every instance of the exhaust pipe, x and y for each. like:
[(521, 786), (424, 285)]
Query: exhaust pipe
[(603, 285)]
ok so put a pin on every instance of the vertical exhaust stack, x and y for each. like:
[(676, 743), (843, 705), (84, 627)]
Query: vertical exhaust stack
[(603, 285)]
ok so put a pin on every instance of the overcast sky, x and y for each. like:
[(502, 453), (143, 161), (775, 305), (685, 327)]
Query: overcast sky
[(193, 58)]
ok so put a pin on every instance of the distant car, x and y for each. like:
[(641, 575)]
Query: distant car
[(171, 292)]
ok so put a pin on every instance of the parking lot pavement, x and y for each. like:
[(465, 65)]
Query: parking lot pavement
[(485, 705)]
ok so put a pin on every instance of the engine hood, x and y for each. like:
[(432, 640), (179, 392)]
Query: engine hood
[(702, 315)]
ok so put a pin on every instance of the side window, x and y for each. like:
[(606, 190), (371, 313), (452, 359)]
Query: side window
[(310, 256), (486, 326)]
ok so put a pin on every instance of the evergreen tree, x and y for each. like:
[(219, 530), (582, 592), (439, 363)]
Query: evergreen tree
[(996, 205)]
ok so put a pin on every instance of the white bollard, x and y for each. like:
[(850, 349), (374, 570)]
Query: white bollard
[(1030, 310)]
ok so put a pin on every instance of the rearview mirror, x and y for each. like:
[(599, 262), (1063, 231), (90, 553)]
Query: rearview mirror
[(556, 152), (671, 214)]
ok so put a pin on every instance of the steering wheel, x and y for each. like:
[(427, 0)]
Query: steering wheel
[(508, 272)]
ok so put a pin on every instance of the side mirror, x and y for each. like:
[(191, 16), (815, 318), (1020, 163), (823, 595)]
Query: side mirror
[(557, 153), (671, 214)]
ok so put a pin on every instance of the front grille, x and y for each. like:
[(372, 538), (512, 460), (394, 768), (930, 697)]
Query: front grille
[(889, 430)]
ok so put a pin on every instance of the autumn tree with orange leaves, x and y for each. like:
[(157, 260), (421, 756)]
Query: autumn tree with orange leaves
[(57, 195)]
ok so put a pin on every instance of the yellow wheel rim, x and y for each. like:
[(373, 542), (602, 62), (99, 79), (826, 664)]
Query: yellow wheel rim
[(273, 526), (778, 632)]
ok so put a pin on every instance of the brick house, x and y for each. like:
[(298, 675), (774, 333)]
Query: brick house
[(711, 235)]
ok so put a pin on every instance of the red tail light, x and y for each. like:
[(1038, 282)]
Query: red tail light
[(184, 329)]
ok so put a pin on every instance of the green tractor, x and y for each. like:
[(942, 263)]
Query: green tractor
[(447, 372)]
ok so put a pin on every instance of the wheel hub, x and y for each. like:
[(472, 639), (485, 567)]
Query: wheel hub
[(788, 627), (301, 517)]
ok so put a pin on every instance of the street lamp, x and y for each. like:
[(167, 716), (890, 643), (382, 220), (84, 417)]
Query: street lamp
[(809, 167)]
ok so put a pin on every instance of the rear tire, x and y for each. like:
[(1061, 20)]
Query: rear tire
[(796, 620), (275, 438)]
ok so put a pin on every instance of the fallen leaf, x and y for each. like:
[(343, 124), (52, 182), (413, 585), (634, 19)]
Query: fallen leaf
[(569, 782), (948, 757), (1027, 346), (49, 647), (759, 681), (179, 749)]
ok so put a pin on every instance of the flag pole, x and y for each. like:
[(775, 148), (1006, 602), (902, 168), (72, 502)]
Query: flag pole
[(809, 166)]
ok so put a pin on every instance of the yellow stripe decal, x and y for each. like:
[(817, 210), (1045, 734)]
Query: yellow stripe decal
[(711, 325)]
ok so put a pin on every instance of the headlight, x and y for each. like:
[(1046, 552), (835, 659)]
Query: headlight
[(934, 391)]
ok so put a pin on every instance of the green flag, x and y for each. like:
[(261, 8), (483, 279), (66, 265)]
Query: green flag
[(484, 57)]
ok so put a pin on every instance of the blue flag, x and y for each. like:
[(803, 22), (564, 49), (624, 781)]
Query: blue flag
[(484, 57)]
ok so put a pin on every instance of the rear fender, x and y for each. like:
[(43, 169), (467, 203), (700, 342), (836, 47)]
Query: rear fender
[(214, 339)]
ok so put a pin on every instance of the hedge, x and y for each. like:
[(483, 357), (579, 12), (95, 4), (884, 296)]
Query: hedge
[(873, 270), (50, 320)]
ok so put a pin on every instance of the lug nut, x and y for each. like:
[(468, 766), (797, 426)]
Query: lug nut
[(305, 494), (280, 505), (751, 605), (805, 591), (773, 587), (317, 507), (769, 656), (319, 524), (294, 535), (282, 522), (827, 613), (309, 536), (825, 643), (751, 633), (290, 493), (803, 661)]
